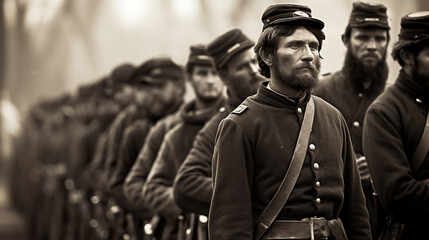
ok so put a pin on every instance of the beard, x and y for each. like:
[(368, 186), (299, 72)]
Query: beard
[(299, 82), (355, 71)]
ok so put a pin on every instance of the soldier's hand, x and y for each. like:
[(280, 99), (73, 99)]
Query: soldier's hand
[(363, 169)]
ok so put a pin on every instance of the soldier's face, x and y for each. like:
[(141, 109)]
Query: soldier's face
[(206, 83), (125, 95), (368, 45), (296, 61), (241, 75), (161, 97)]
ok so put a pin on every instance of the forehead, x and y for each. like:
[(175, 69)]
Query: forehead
[(300, 34), (368, 31)]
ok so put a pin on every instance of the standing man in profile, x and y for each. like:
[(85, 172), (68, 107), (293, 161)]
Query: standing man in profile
[(396, 132), (157, 191), (321, 196), (361, 80), (235, 61)]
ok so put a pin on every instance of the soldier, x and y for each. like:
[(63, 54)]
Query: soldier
[(238, 70), (362, 78), (319, 191), (209, 98), (132, 142), (396, 133), (159, 85)]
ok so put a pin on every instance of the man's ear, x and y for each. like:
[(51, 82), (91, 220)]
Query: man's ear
[(406, 56), (345, 40), (266, 57)]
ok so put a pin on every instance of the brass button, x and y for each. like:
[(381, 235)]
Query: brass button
[(317, 184), (356, 124), (419, 100), (312, 146), (360, 95), (316, 166), (299, 110), (222, 109), (318, 201)]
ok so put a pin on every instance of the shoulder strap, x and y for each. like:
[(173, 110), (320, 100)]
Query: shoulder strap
[(422, 149), (283, 192)]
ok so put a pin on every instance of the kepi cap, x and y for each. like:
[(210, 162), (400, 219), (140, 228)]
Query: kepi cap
[(224, 47), (157, 71), (198, 55), (368, 15), (415, 26), (122, 73), (289, 13)]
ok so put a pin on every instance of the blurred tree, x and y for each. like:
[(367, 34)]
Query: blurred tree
[(42, 50), (2, 47)]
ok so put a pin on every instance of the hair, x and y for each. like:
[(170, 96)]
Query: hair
[(269, 38), (407, 45), (189, 68)]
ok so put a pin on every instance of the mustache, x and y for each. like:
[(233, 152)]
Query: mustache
[(370, 55), (310, 66)]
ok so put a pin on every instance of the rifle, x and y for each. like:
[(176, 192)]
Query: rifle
[(202, 228), (151, 228)]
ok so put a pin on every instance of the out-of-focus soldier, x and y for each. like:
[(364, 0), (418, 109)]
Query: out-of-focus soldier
[(158, 85), (396, 134), (96, 110), (209, 98), (360, 81), (237, 67), (131, 143)]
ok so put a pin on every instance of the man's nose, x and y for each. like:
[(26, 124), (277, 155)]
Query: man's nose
[(372, 44), (307, 54), (211, 78)]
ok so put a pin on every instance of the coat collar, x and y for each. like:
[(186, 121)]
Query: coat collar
[(413, 87), (189, 115), (270, 97)]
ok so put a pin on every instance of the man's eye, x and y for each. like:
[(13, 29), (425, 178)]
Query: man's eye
[(295, 46), (362, 38), (313, 47), (202, 73), (381, 39)]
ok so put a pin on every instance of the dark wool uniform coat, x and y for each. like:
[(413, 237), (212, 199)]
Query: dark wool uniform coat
[(124, 119), (350, 100), (393, 127), (252, 152), (131, 143), (133, 185), (193, 186), (157, 191)]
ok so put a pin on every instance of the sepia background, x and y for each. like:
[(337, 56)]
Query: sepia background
[(49, 47)]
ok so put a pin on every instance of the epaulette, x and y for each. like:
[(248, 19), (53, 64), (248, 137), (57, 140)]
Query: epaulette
[(240, 109)]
